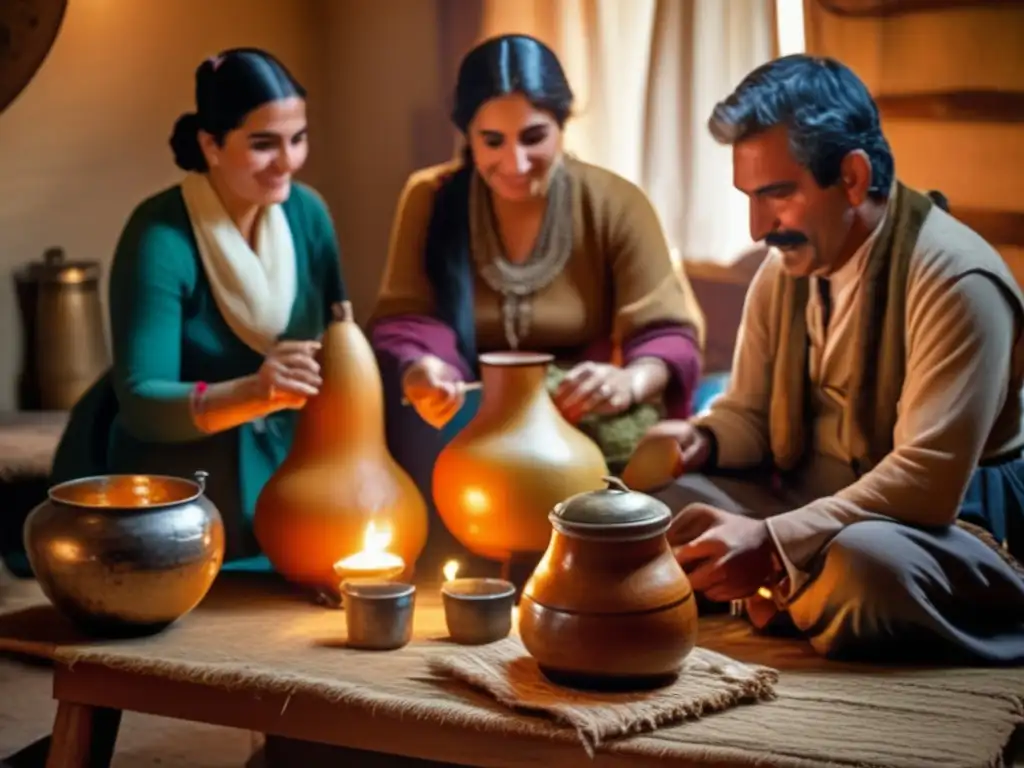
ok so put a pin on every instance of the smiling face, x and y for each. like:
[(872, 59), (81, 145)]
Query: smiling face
[(257, 160), (514, 145), (813, 227)]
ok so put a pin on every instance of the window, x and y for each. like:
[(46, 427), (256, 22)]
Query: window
[(789, 26)]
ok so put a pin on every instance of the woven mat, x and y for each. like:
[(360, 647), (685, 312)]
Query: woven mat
[(710, 682), (259, 636)]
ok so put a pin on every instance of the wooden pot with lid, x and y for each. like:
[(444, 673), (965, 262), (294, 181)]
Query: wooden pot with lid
[(608, 607)]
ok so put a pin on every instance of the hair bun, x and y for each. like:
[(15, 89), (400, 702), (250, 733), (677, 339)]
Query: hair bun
[(185, 143)]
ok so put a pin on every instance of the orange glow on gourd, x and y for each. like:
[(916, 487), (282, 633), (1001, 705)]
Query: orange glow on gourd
[(339, 475)]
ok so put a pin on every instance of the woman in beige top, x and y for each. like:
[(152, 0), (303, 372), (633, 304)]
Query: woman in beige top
[(519, 246)]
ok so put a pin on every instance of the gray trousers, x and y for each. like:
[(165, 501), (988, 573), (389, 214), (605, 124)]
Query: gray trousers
[(882, 591)]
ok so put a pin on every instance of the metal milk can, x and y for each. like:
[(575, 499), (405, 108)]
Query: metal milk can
[(64, 348)]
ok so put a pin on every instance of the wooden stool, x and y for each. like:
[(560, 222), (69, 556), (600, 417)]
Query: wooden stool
[(28, 441)]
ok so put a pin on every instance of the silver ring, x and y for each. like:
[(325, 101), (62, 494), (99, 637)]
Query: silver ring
[(605, 390)]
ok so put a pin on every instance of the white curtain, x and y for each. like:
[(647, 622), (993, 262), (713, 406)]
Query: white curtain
[(647, 74)]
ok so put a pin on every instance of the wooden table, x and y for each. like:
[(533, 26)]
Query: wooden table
[(92, 697), (256, 656)]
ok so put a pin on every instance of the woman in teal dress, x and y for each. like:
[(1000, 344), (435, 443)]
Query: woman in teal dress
[(219, 288)]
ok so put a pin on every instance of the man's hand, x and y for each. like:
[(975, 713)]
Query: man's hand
[(693, 444), (725, 556)]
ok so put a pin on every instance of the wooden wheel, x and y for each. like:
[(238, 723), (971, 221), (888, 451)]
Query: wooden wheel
[(28, 29)]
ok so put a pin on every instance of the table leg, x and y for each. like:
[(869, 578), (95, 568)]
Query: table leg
[(83, 736)]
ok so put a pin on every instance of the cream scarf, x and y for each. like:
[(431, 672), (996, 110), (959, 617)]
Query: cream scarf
[(254, 290)]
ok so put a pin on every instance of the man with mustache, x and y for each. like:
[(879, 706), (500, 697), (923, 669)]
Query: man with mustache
[(874, 403)]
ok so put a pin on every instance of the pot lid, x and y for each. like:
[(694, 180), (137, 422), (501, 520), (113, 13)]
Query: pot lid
[(55, 268), (614, 508)]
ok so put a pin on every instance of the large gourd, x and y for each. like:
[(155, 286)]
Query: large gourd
[(497, 480), (339, 482)]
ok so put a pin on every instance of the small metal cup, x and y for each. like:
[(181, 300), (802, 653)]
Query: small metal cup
[(378, 614), (478, 611)]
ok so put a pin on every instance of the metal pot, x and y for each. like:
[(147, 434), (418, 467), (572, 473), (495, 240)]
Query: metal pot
[(126, 554), (64, 347)]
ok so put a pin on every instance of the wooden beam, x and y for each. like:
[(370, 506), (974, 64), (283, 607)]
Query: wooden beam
[(1000, 228), (739, 271), (886, 8), (987, 106), (711, 272)]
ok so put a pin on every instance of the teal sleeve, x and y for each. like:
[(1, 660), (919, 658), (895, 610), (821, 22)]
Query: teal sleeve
[(153, 267)]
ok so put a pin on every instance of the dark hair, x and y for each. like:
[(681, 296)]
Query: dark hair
[(229, 86), (511, 64), (825, 107), (496, 67)]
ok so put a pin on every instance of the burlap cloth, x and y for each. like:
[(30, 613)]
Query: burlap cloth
[(261, 637), (710, 682)]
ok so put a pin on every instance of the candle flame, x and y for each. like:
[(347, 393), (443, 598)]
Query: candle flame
[(376, 540), (450, 570), (373, 561)]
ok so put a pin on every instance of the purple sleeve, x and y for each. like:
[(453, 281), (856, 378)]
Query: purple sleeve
[(406, 338), (676, 346)]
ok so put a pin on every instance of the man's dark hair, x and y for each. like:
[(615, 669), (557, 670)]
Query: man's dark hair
[(825, 108)]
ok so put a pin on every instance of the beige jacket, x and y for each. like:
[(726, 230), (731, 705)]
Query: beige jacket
[(951, 378)]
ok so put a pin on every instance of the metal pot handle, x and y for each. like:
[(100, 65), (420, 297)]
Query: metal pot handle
[(615, 484), (200, 475)]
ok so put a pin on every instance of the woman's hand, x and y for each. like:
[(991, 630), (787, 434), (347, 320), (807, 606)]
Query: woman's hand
[(594, 388), (434, 389), (290, 374)]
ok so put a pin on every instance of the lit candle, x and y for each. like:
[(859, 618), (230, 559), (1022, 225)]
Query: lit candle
[(450, 570), (373, 561)]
